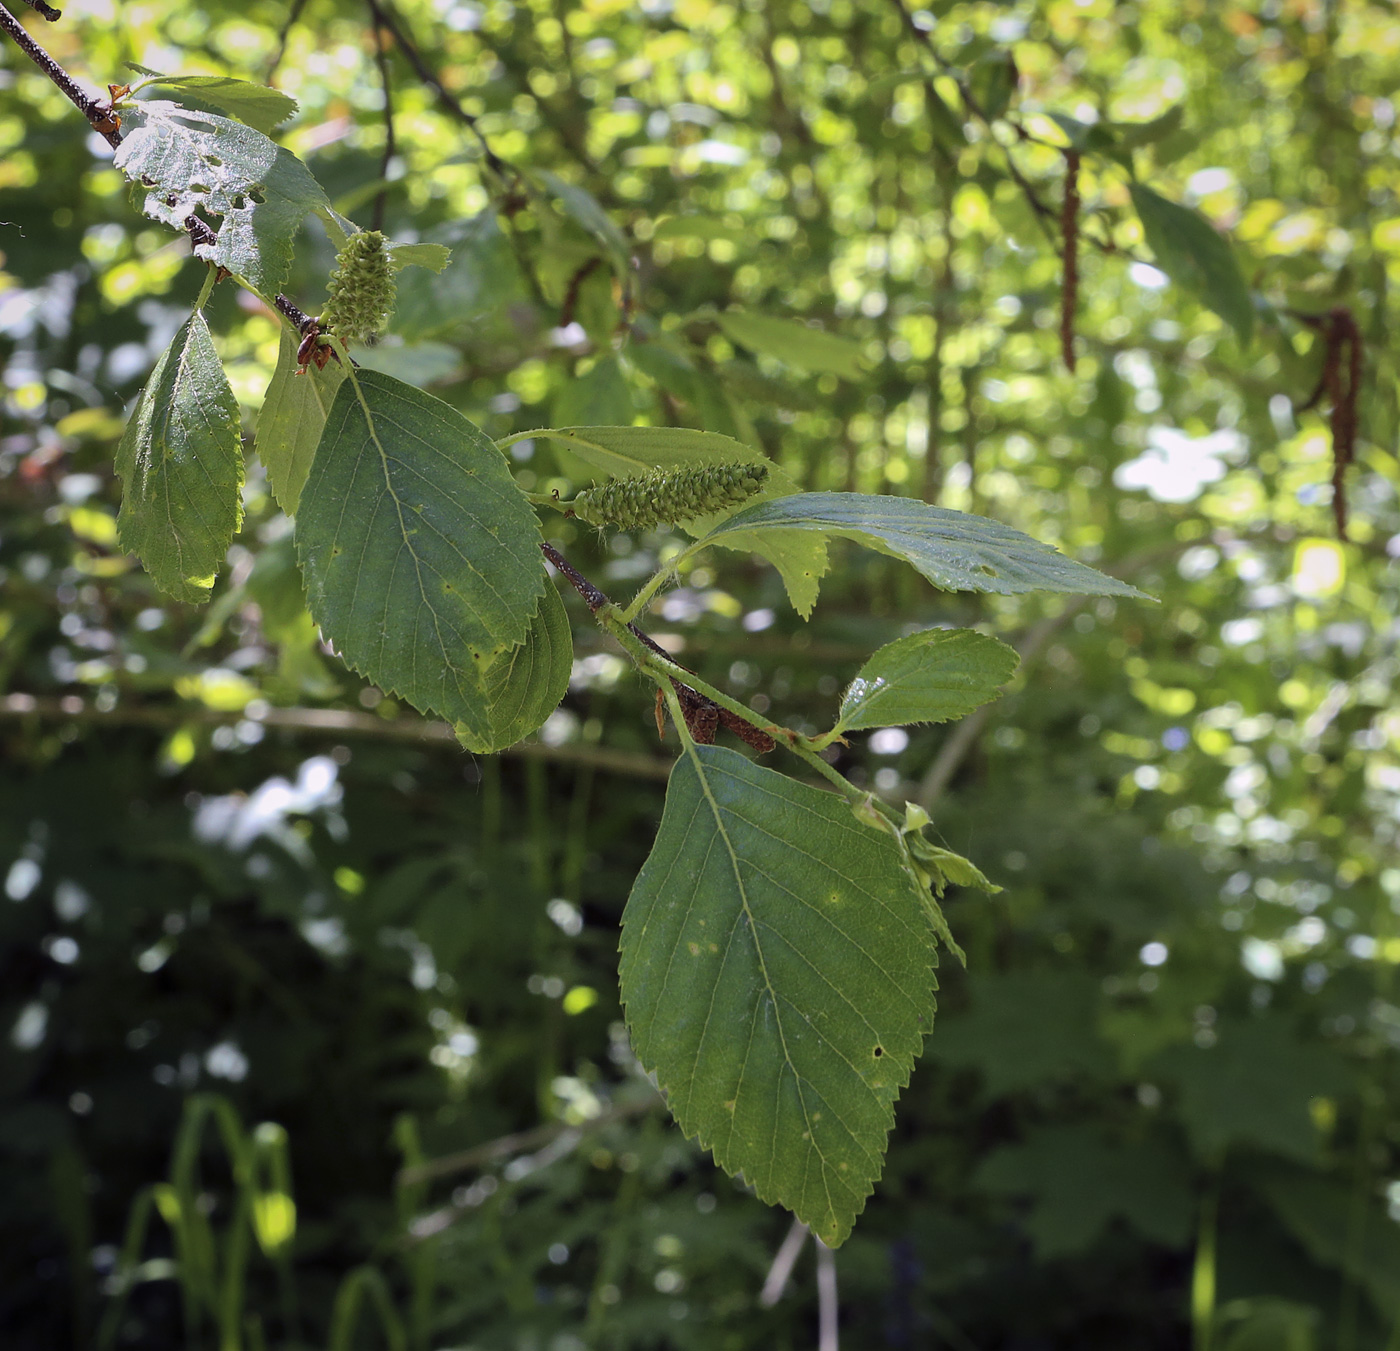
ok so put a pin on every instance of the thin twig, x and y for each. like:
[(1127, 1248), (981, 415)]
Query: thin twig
[(381, 57), (1069, 233), (827, 1308), (48, 11), (783, 1262), (292, 16), (396, 27), (321, 722), (98, 114)]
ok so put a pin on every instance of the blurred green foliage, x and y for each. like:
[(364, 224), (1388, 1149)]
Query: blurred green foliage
[(1159, 1105)]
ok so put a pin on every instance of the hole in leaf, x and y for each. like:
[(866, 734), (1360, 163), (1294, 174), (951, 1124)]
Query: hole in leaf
[(990, 571), (239, 201), (213, 161), (147, 181), (879, 1051), (199, 187), (258, 193)]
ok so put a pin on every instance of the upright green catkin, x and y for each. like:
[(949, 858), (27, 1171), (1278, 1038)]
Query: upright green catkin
[(361, 289), (664, 497)]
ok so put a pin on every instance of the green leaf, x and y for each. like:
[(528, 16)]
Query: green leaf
[(433, 257), (191, 162), (927, 677), (1079, 1181), (1254, 1086), (256, 105), (421, 556), (600, 394), (1322, 1214), (777, 972), (583, 208), (810, 348), (621, 452), (479, 288), (181, 461), (1196, 256), (1026, 1028), (524, 686), (993, 80), (293, 414), (954, 550)]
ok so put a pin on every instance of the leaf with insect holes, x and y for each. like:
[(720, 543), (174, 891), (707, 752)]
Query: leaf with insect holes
[(255, 105), (421, 556), (625, 452), (525, 685), (250, 190), (1196, 256), (932, 676), (811, 349), (181, 462), (293, 414), (954, 550), (778, 975)]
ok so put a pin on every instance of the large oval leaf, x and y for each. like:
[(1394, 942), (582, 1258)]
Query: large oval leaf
[(954, 550), (181, 460), (777, 970), (421, 556), (927, 677)]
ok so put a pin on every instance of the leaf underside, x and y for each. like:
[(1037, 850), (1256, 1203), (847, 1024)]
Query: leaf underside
[(246, 187), (256, 105), (777, 971), (954, 550), (292, 417), (421, 556), (524, 686), (927, 677), (181, 462)]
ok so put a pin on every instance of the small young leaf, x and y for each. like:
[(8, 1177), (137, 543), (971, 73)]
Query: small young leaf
[(993, 80), (927, 677), (421, 556), (524, 686), (293, 414), (433, 257), (621, 452), (810, 348), (954, 550), (1196, 256), (253, 104), (181, 461), (190, 162), (777, 972)]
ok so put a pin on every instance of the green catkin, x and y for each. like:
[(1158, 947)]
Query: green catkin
[(664, 497), (361, 289)]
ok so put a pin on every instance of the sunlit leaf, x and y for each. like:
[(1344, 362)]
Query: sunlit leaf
[(927, 677), (954, 550), (1196, 256), (256, 105), (248, 188), (777, 971)]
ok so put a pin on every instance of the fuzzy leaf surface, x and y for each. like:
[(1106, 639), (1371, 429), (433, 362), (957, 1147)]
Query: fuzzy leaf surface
[(253, 192), (777, 972), (181, 462), (525, 685), (622, 452), (954, 550), (420, 554), (932, 676), (290, 422), (1196, 256)]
